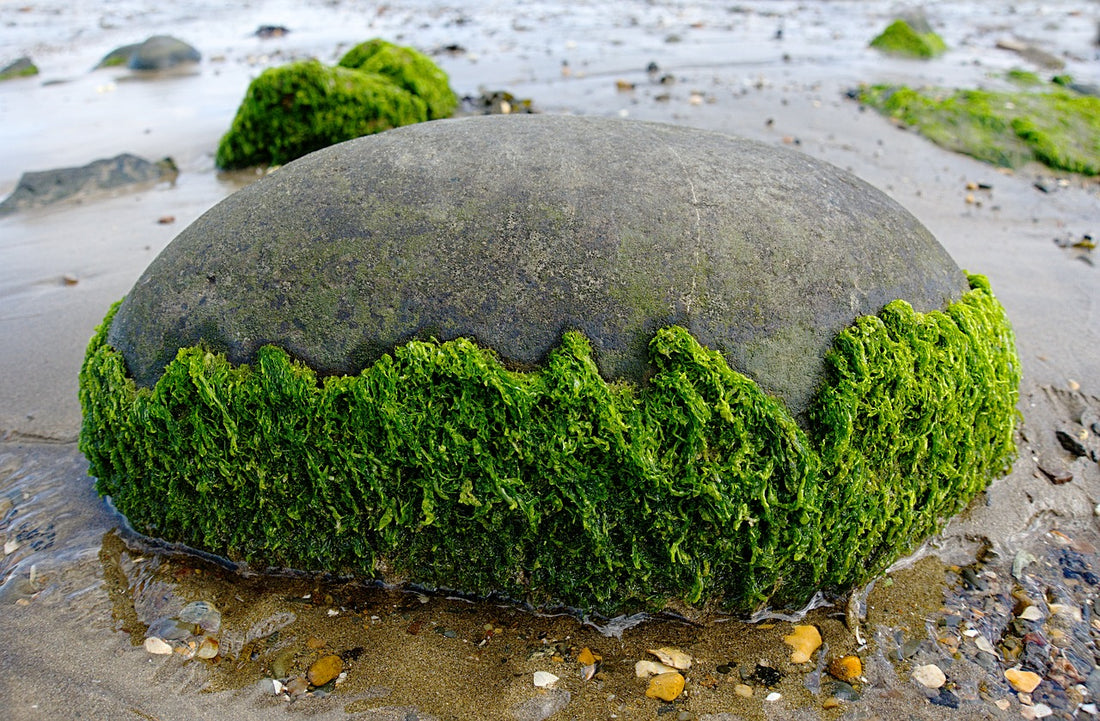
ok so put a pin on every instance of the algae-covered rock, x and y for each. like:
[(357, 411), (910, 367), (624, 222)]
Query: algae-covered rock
[(20, 68), (407, 68), (292, 110), (900, 38), (1053, 125), (161, 52), (503, 355)]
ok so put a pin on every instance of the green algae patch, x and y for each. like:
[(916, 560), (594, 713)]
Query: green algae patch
[(21, 68), (408, 69), (295, 109), (439, 466), (1055, 126), (900, 38)]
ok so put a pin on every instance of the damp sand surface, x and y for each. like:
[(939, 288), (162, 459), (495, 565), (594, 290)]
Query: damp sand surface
[(78, 592)]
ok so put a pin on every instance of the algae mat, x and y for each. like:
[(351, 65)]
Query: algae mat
[(446, 463)]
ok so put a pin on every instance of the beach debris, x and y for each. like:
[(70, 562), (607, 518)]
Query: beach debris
[(544, 679), (929, 675), (846, 668), (325, 669), (159, 646), (804, 640), (1023, 681), (673, 657), (666, 686), (646, 668)]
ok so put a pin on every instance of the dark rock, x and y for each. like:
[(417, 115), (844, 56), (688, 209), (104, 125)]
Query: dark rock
[(21, 68), (1071, 443), (50, 186), (510, 230), (946, 699), (162, 52), (271, 31)]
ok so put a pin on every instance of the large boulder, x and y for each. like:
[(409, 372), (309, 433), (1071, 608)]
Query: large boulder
[(513, 230), (577, 361)]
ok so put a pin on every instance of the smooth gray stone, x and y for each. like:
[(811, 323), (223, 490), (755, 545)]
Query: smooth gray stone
[(37, 188), (513, 229), (161, 52)]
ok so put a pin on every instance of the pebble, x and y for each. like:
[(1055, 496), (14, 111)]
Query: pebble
[(645, 669), (773, 696), (586, 657), (846, 668), (804, 640), (202, 614), (1031, 613), (544, 679), (158, 646), (929, 675), (743, 690), (296, 686), (325, 669), (1023, 681), (1038, 711), (208, 648), (665, 686), (673, 657)]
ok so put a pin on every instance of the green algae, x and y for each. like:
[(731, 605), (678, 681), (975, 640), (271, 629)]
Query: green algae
[(439, 466), (295, 109), (1055, 126), (408, 69), (899, 38), (21, 68)]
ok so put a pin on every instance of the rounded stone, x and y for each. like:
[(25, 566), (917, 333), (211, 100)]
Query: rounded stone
[(511, 230)]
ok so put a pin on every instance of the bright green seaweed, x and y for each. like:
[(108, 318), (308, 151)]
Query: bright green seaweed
[(439, 466), (1055, 126), (294, 109), (900, 38)]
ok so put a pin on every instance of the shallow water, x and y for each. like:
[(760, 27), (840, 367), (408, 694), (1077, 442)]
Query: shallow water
[(78, 592)]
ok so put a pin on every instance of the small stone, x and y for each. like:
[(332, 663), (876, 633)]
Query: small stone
[(804, 640), (743, 690), (832, 702), (208, 648), (586, 657), (296, 686), (1031, 613), (645, 669), (984, 645), (202, 614), (846, 668), (1038, 711), (673, 657), (158, 646), (325, 669), (929, 675), (1023, 681), (773, 696), (544, 679), (665, 686), (1002, 703)]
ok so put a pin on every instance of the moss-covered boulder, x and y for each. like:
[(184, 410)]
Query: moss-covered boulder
[(408, 69), (294, 109), (610, 364), (900, 38), (20, 68)]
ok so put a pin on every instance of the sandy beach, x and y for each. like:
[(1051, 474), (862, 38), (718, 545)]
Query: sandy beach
[(78, 593)]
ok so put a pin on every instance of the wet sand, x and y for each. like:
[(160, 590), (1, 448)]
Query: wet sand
[(74, 592)]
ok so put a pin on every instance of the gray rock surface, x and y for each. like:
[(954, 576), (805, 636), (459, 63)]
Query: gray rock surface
[(161, 52), (511, 230), (19, 68), (37, 188)]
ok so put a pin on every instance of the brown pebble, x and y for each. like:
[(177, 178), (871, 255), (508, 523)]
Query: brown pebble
[(315, 643), (325, 669), (743, 690), (166, 219), (831, 702), (846, 668), (666, 686), (297, 686)]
